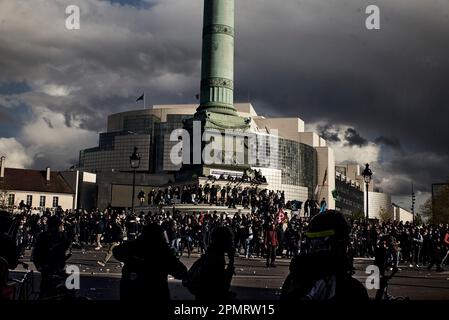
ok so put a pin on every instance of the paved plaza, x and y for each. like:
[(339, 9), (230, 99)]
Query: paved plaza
[(252, 279)]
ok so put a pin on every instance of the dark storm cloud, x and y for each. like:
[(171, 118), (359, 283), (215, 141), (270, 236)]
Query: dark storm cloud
[(392, 142), (353, 138), (327, 133), (313, 59)]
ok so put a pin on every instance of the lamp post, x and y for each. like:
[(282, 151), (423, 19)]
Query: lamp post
[(134, 161), (367, 176)]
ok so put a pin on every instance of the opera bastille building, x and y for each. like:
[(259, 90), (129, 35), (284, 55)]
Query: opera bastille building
[(301, 164)]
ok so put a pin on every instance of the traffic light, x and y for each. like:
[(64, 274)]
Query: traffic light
[(413, 202)]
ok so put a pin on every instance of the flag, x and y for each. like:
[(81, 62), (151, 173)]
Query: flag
[(316, 190), (325, 177), (141, 97)]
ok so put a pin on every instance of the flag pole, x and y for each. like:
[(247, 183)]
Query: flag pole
[(144, 101)]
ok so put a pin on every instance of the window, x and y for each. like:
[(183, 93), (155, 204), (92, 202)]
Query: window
[(11, 199), (42, 202), (29, 200), (55, 202)]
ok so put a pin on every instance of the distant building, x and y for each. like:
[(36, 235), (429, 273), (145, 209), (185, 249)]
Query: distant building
[(349, 196), (400, 214), (378, 202), (440, 202), (43, 189)]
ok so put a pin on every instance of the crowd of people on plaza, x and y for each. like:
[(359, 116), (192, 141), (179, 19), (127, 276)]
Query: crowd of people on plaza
[(211, 194), (268, 231)]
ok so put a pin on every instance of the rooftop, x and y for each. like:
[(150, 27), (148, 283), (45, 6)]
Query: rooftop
[(34, 180)]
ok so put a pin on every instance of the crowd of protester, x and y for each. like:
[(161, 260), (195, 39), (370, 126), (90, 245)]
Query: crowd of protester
[(268, 229), (212, 194), (266, 225)]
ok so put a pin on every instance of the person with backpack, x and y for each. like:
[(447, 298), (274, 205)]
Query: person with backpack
[(209, 278)]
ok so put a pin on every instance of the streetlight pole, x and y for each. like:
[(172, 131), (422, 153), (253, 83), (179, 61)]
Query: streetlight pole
[(134, 191), (367, 201), (367, 176), (134, 161)]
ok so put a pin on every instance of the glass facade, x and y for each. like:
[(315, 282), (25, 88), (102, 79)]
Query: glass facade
[(295, 164), (296, 161), (117, 159), (163, 163)]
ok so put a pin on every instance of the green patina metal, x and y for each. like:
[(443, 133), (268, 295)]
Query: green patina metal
[(216, 110)]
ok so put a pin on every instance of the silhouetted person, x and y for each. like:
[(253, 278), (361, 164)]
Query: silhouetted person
[(435, 251), (49, 256), (324, 271), (216, 274), (147, 263), (271, 244), (141, 197), (115, 232), (8, 248)]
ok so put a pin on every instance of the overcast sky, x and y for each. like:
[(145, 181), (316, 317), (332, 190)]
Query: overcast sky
[(378, 96)]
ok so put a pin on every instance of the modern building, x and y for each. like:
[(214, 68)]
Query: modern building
[(349, 198), (440, 202), (46, 189), (380, 205), (401, 214), (351, 188), (295, 161)]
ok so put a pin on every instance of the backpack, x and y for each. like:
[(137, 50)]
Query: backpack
[(193, 279)]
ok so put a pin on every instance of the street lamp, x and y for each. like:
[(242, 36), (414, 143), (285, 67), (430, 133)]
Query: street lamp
[(367, 176), (134, 161)]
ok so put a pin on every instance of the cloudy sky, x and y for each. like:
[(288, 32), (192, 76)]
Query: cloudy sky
[(378, 96)]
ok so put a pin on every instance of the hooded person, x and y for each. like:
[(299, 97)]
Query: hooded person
[(324, 271), (215, 274), (148, 261)]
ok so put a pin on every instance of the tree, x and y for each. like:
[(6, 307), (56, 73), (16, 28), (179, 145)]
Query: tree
[(426, 209), (358, 215), (384, 215), (418, 219), (436, 210)]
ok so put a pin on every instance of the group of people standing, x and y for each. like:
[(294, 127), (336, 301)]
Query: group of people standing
[(212, 194)]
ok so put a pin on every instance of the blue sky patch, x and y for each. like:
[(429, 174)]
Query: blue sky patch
[(14, 88)]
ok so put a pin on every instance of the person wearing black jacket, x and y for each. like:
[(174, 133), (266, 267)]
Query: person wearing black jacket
[(115, 234), (216, 275), (8, 248), (324, 271), (49, 256), (144, 277)]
